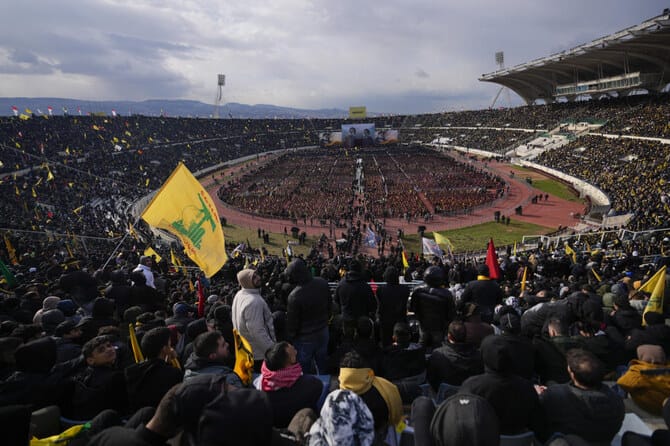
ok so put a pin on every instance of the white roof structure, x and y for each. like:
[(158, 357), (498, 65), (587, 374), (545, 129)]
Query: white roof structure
[(635, 58)]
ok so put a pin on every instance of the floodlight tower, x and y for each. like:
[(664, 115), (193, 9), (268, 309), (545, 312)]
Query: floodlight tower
[(500, 63), (221, 81)]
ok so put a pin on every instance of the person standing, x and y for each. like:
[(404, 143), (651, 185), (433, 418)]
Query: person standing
[(252, 317), (307, 313)]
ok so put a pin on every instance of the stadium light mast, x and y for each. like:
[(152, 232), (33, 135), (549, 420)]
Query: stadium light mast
[(221, 81), (500, 63)]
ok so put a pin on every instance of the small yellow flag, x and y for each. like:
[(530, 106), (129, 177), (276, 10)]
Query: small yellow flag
[(655, 303), (150, 252), (184, 208)]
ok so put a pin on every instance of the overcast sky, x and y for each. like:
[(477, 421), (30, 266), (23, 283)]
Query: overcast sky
[(392, 56)]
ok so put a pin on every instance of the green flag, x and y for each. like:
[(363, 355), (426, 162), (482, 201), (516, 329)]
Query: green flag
[(7, 274)]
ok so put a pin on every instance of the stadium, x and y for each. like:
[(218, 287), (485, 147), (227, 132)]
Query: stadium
[(572, 187)]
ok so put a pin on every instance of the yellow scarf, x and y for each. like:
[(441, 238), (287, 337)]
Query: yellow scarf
[(359, 381), (483, 278)]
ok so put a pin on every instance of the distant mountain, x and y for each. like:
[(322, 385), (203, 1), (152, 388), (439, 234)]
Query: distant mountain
[(156, 107)]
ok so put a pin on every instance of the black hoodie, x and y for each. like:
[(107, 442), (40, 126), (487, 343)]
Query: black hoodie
[(148, 381), (309, 304)]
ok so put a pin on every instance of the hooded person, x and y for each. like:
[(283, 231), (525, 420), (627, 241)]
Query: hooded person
[(50, 320), (235, 417), (513, 398), (49, 303), (251, 315), (355, 298), (345, 420), (307, 313), (392, 308), (646, 388), (465, 420), (33, 383)]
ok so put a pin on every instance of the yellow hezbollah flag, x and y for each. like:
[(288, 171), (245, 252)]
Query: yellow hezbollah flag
[(655, 303), (442, 240), (184, 208), (571, 252), (150, 252)]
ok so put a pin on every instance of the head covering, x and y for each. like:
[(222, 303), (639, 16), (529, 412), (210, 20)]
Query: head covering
[(64, 328), (465, 419), (651, 353), (181, 308), (496, 354), (483, 270), (345, 420), (37, 356), (68, 307), (245, 278), (510, 323), (360, 380), (237, 417), (51, 319), (212, 298), (50, 303)]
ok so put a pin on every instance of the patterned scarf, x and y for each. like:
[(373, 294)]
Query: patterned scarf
[(279, 379)]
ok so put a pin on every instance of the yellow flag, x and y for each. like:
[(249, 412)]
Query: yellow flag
[(176, 262), (11, 251), (443, 240), (655, 303), (596, 275), (23, 117), (150, 252), (571, 252), (405, 263), (137, 352), (514, 252), (650, 285), (244, 358), (184, 208), (523, 279)]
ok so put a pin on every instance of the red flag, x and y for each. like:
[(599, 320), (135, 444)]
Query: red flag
[(373, 285), (201, 299), (492, 261)]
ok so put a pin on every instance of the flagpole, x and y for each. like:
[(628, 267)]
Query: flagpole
[(123, 239)]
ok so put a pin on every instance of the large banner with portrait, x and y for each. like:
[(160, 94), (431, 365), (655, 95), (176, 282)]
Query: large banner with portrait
[(358, 135), (386, 136), (330, 139)]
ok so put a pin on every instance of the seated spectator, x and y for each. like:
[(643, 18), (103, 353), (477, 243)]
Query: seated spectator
[(513, 398), (656, 332), (585, 406), (210, 351), (455, 361), (460, 420), (403, 360), (32, 383), (647, 379), (381, 396), (520, 347), (475, 329), (149, 380), (550, 350), (345, 419), (287, 388), (67, 335), (99, 385)]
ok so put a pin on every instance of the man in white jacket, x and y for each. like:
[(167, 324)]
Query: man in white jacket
[(252, 317)]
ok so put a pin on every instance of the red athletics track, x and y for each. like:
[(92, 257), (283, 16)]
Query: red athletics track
[(550, 213)]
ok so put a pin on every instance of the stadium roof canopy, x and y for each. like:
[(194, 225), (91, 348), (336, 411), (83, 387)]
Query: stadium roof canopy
[(635, 58)]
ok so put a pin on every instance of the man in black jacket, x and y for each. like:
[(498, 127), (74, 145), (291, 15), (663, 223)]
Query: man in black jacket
[(486, 293), (355, 298), (434, 307), (149, 380), (455, 361), (584, 407), (307, 315)]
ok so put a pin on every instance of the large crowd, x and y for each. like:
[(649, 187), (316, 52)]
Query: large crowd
[(555, 347)]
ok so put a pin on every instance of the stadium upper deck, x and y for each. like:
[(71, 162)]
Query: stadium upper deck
[(632, 59)]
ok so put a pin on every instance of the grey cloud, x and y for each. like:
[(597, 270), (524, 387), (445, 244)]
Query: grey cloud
[(421, 73)]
